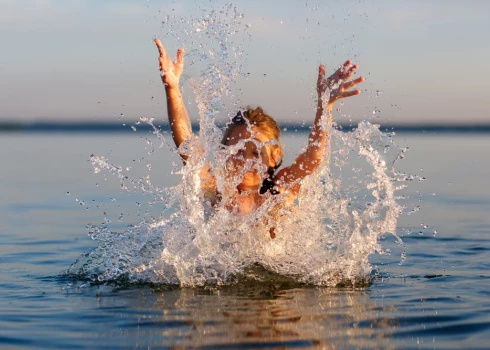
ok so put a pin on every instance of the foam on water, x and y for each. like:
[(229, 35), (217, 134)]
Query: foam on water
[(324, 238)]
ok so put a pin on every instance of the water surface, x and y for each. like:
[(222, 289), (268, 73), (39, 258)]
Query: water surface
[(436, 298)]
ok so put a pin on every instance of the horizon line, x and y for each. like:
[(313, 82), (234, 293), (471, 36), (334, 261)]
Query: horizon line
[(132, 127)]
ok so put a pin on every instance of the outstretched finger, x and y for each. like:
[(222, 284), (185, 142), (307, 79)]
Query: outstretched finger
[(350, 84), (350, 93), (321, 71), (161, 49), (345, 67), (180, 56), (349, 72)]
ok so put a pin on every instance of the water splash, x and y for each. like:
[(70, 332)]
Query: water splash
[(324, 238)]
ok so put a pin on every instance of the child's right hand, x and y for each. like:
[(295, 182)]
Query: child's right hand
[(171, 70)]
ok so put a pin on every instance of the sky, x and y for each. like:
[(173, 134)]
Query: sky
[(88, 60)]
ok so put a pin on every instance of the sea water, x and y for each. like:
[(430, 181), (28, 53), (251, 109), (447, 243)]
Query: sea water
[(436, 298), (324, 238)]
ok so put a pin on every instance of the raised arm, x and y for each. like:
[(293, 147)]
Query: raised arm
[(177, 113), (319, 138)]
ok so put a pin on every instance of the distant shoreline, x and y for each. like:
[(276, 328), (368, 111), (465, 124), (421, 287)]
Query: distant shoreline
[(119, 127)]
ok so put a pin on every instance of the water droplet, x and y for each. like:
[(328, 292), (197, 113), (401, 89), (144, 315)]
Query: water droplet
[(375, 213)]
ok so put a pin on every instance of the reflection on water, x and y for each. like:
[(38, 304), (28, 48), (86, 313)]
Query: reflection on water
[(264, 316)]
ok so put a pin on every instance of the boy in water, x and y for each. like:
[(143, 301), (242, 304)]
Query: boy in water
[(259, 158)]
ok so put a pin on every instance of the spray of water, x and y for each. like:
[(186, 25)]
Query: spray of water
[(324, 238)]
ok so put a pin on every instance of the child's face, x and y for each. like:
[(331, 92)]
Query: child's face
[(259, 158)]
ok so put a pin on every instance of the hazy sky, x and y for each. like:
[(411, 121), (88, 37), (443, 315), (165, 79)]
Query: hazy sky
[(95, 60)]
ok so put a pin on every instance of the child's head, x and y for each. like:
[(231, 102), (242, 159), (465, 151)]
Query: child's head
[(264, 129)]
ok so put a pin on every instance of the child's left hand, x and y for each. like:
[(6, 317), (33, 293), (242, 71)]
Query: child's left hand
[(337, 82)]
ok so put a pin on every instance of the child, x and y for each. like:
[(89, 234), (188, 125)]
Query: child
[(257, 136)]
